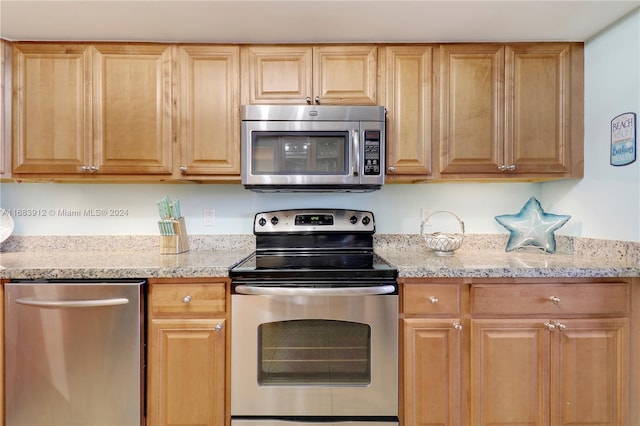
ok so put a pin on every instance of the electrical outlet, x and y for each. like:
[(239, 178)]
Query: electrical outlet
[(209, 216), (425, 213)]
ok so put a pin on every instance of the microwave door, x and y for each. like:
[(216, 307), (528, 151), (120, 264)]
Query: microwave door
[(315, 154)]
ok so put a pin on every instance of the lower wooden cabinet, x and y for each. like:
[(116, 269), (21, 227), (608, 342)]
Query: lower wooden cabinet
[(432, 371), (539, 352), (186, 368), (543, 371)]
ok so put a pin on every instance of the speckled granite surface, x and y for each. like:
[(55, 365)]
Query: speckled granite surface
[(211, 256), (119, 256)]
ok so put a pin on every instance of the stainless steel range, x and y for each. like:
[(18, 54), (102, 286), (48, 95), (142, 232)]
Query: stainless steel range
[(315, 324)]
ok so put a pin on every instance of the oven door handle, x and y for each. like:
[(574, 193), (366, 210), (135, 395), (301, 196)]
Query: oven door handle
[(315, 291)]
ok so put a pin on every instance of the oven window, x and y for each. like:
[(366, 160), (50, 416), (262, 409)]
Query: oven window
[(314, 352), (314, 153)]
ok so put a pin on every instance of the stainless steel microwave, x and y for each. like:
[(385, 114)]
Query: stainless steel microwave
[(313, 148)]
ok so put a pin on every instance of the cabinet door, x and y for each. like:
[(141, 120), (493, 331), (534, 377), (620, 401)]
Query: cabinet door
[(208, 101), (591, 373), (132, 109), (186, 384), (277, 74), (5, 108), (510, 365), (345, 75), (538, 117), (409, 102), (431, 372), (51, 108), (471, 108)]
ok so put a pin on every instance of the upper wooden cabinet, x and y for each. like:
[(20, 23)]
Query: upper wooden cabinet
[(208, 102), (92, 109), (511, 110), (409, 101), (5, 109), (172, 111), (305, 74)]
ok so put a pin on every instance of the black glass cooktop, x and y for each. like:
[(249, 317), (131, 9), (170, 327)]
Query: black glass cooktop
[(307, 265)]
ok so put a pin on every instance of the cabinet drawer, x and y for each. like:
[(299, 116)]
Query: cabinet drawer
[(519, 299), (431, 299), (188, 299)]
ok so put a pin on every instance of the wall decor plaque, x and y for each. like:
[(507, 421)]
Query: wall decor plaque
[(623, 139)]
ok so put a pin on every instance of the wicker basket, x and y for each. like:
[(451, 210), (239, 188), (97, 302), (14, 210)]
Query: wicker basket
[(443, 244)]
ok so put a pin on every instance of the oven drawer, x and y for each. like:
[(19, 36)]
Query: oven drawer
[(545, 299), (187, 299), (431, 299)]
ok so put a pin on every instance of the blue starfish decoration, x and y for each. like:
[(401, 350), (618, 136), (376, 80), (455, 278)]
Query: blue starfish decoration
[(532, 227)]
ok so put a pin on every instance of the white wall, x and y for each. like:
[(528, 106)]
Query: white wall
[(396, 207), (605, 204), (608, 198)]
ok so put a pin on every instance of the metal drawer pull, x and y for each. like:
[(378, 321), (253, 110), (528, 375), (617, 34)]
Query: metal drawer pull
[(555, 300), (434, 299), (72, 303), (457, 326), (186, 299), (218, 328), (549, 326)]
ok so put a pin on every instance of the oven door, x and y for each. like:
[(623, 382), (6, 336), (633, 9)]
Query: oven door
[(326, 352)]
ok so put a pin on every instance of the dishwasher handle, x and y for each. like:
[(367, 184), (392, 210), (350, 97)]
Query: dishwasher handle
[(89, 303), (315, 291)]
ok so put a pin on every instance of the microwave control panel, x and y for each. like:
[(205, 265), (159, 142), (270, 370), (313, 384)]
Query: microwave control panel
[(372, 152)]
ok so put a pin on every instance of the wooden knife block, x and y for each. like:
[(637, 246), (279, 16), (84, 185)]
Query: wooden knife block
[(178, 243)]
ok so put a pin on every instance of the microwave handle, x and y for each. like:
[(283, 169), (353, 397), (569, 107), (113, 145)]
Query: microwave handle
[(356, 150)]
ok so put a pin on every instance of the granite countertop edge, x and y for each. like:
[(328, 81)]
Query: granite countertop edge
[(469, 263)]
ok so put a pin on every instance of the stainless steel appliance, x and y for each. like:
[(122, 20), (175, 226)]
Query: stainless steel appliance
[(313, 148), (74, 353), (314, 323)]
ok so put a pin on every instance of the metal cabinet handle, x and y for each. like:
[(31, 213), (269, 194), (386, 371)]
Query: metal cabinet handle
[(218, 328), (309, 100), (186, 299), (433, 299), (560, 326), (84, 168), (317, 99), (505, 168), (391, 169), (457, 326), (183, 169), (554, 299), (549, 326)]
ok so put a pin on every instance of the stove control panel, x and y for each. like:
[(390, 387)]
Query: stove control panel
[(310, 221)]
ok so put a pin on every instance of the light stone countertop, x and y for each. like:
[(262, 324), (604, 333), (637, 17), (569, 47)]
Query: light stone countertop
[(110, 257), (475, 263), (118, 264)]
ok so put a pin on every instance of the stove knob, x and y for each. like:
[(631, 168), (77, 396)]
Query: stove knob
[(262, 221), (353, 220), (366, 220), (274, 221)]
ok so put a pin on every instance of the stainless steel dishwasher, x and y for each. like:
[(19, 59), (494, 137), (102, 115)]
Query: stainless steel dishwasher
[(74, 352)]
